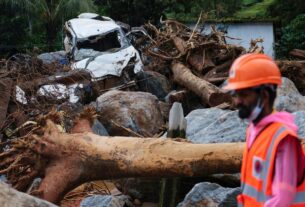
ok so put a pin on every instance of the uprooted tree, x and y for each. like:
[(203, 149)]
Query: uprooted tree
[(68, 160)]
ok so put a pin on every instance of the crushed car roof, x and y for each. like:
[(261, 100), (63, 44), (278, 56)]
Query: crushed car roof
[(84, 28)]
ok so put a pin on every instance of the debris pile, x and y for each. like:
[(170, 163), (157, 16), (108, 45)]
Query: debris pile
[(298, 54), (197, 62), (180, 64), (294, 70)]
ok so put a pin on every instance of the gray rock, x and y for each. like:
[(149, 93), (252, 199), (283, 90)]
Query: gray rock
[(54, 57), (10, 197), (153, 82), (3, 178), (215, 125), (288, 97), (138, 111), (300, 122), (210, 195), (106, 201), (99, 129)]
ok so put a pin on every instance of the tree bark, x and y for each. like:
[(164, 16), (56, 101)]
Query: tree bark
[(300, 54), (201, 61), (180, 44), (208, 93), (220, 70), (78, 158)]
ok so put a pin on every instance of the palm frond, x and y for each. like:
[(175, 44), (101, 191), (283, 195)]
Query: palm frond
[(24, 5), (71, 8)]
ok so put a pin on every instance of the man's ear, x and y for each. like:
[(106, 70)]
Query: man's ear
[(266, 97)]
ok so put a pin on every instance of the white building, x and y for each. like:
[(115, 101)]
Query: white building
[(246, 31)]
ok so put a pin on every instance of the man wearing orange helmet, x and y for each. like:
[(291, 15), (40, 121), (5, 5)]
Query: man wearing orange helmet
[(272, 171)]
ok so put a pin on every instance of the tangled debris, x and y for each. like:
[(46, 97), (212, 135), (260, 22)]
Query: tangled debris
[(201, 53), (34, 92), (295, 71)]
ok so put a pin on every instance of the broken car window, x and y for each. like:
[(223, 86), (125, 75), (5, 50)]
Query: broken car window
[(101, 43)]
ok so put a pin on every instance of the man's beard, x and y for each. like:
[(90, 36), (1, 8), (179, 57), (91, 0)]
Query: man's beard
[(244, 111), (251, 112)]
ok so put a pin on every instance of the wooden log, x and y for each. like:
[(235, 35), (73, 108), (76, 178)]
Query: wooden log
[(300, 54), (78, 158), (219, 71), (201, 61), (180, 44), (209, 93)]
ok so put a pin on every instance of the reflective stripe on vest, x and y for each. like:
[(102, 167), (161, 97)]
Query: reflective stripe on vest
[(299, 198), (260, 196), (268, 157)]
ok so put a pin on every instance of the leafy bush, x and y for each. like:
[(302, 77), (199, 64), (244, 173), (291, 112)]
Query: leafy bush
[(13, 30), (293, 37), (133, 12), (287, 10)]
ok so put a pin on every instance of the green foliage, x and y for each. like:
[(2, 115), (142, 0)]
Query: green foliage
[(216, 9), (137, 12), (287, 10), (39, 22), (293, 37), (49, 16), (255, 11), (13, 32), (134, 12), (250, 2)]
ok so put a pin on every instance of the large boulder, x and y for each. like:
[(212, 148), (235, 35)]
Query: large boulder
[(210, 195), (213, 125), (54, 57), (288, 97), (10, 197), (153, 82), (300, 122), (138, 111)]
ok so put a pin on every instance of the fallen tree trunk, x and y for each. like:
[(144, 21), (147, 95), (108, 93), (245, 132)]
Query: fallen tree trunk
[(74, 159), (201, 61), (300, 54), (78, 158), (219, 71), (208, 93)]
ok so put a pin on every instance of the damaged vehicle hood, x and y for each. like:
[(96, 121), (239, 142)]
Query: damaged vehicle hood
[(111, 63)]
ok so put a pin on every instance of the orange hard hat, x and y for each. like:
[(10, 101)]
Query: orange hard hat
[(252, 70)]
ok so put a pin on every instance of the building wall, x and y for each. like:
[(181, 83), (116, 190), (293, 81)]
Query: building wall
[(245, 32)]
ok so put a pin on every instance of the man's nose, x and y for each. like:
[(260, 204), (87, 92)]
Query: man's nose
[(237, 100)]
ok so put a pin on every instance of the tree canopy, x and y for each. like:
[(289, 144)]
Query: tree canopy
[(28, 23), (50, 15)]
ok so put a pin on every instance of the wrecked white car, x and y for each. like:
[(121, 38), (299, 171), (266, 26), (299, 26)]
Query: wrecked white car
[(99, 45)]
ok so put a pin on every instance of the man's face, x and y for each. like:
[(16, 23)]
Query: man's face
[(245, 101)]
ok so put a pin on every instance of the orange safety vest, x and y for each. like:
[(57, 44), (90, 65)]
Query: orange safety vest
[(258, 166)]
